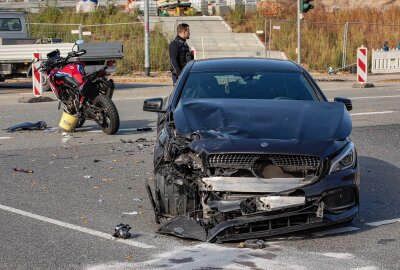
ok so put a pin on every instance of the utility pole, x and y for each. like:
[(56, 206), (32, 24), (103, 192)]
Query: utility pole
[(299, 18), (146, 39), (303, 6)]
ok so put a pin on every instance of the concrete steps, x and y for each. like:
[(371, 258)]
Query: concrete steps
[(212, 37)]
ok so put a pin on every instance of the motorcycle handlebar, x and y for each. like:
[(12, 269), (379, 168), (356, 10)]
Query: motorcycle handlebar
[(50, 64), (75, 54)]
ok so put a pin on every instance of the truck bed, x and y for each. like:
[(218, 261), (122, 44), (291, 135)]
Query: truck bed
[(95, 51)]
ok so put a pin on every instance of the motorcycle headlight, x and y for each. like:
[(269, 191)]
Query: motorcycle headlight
[(344, 159)]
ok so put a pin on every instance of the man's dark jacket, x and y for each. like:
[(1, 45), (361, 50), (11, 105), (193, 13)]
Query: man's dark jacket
[(179, 55)]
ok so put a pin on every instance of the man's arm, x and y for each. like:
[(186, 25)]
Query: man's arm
[(173, 56)]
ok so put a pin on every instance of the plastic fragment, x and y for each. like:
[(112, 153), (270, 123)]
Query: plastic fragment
[(122, 231), (23, 170)]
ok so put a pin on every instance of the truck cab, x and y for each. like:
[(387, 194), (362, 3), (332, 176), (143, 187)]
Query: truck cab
[(13, 25)]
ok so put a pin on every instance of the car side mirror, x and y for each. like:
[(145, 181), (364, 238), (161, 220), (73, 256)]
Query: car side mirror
[(345, 101), (153, 105)]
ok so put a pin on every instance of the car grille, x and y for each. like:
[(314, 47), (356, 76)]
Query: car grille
[(246, 160)]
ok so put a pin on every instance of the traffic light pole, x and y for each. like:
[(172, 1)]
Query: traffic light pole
[(299, 17)]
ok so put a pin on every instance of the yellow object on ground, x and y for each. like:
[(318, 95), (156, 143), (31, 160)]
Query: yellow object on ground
[(68, 122)]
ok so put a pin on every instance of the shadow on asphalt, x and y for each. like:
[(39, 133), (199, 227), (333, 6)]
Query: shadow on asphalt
[(380, 189), (124, 125), (129, 86)]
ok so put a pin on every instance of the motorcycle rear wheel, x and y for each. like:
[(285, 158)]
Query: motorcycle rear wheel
[(109, 118)]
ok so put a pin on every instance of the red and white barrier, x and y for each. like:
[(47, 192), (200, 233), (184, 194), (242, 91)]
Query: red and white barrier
[(362, 65), (36, 76)]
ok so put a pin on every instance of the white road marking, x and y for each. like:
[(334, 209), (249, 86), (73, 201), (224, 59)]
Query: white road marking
[(365, 268), (74, 227), (5, 138), (339, 255), (372, 113), (383, 222), (336, 231), (137, 98), (373, 97)]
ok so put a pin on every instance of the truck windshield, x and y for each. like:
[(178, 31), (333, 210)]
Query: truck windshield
[(10, 24)]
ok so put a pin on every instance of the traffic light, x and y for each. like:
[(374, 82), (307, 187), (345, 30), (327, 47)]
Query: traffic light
[(305, 5)]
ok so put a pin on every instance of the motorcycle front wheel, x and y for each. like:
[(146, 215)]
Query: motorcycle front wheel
[(107, 117)]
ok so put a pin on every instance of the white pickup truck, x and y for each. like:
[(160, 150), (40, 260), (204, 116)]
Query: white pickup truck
[(17, 48)]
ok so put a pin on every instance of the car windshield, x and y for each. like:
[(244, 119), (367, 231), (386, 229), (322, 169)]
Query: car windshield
[(242, 85)]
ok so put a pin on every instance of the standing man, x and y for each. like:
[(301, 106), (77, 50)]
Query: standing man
[(179, 51)]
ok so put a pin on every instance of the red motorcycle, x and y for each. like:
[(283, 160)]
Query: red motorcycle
[(87, 96)]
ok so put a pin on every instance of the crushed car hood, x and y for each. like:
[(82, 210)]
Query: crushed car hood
[(263, 119)]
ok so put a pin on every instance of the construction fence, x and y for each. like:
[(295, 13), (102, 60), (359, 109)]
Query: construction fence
[(324, 45)]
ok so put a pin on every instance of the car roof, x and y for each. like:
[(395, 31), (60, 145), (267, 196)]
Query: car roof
[(245, 64)]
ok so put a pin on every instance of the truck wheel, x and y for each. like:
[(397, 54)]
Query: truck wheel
[(108, 118)]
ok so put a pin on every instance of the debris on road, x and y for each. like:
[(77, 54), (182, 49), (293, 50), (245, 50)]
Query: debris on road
[(28, 126), (126, 141), (141, 140), (133, 213), (23, 170), (252, 243), (88, 176), (53, 129), (145, 129), (122, 231)]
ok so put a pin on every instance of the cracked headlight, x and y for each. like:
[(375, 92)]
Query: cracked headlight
[(344, 159)]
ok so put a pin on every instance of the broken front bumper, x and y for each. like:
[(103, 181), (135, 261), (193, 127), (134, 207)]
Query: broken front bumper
[(333, 199)]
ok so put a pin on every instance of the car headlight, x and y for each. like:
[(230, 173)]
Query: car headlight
[(344, 159)]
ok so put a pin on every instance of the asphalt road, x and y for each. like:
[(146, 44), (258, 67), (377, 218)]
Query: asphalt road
[(62, 215)]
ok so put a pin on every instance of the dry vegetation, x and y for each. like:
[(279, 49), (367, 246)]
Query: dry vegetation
[(323, 32), (322, 39)]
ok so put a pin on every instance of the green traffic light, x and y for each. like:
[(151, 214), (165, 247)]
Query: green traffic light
[(305, 5)]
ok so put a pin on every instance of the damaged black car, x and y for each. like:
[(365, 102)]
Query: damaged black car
[(250, 148)]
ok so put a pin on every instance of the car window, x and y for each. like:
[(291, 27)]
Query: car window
[(10, 24), (242, 85)]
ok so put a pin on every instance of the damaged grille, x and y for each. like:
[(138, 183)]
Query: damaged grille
[(232, 160), (247, 160)]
